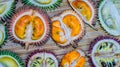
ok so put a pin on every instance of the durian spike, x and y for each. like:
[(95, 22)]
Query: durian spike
[(74, 45), (4, 23), (27, 45)]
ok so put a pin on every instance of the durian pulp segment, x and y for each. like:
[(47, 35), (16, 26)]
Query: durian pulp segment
[(73, 59), (8, 61), (57, 33), (83, 8), (5, 6), (106, 48), (44, 1), (29, 27), (2, 34), (2, 8), (109, 14), (72, 23), (43, 60)]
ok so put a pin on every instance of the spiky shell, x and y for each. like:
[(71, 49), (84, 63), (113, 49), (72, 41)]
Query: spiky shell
[(7, 57), (44, 4), (105, 51), (26, 26), (108, 13), (3, 34), (7, 7), (75, 58), (43, 55), (67, 32), (86, 9)]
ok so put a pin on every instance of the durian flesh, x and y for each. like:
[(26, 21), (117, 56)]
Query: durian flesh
[(30, 27), (44, 1), (8, 62)]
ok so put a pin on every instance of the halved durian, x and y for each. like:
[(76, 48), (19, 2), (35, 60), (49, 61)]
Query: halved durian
[(67, 28), (105, 52), (6, 8), (44, 4), (86, 9), (29, 25), (109, 14), (41, 59), (75, 58), (3, 34), (10, 59)]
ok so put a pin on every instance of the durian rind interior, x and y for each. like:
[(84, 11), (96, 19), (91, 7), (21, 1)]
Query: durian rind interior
[(6, 8), (103, 52), (86, 9), (2, 34), (30, 26), (67, 27), (109, 16), (43, 59)]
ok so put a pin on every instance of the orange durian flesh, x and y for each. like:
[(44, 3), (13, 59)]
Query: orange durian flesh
[(21, 25), (56, 30), (83, 8), (72, 56), (38, 28), (73, 23)]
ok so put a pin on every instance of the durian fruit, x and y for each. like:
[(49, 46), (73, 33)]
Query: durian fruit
[(7, 8), (67, 28), (29, 25), (109, 14), (44, 4), (10, 59), (41, 58), (105, 52), (75, 58), (3, 34), (86, 9)]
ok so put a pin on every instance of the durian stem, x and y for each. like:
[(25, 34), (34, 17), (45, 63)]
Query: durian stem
[(92, 27), (26, 46)]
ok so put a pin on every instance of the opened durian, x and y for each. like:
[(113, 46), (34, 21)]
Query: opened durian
[(29, 25), (6, 8), (41, 59), (3, 34), (75, 58), (10, 59), (44, 4), (109, 14), (67, 28), (86, 9), (105, 52)]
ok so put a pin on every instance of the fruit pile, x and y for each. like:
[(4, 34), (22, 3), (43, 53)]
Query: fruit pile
[(30, 23)]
